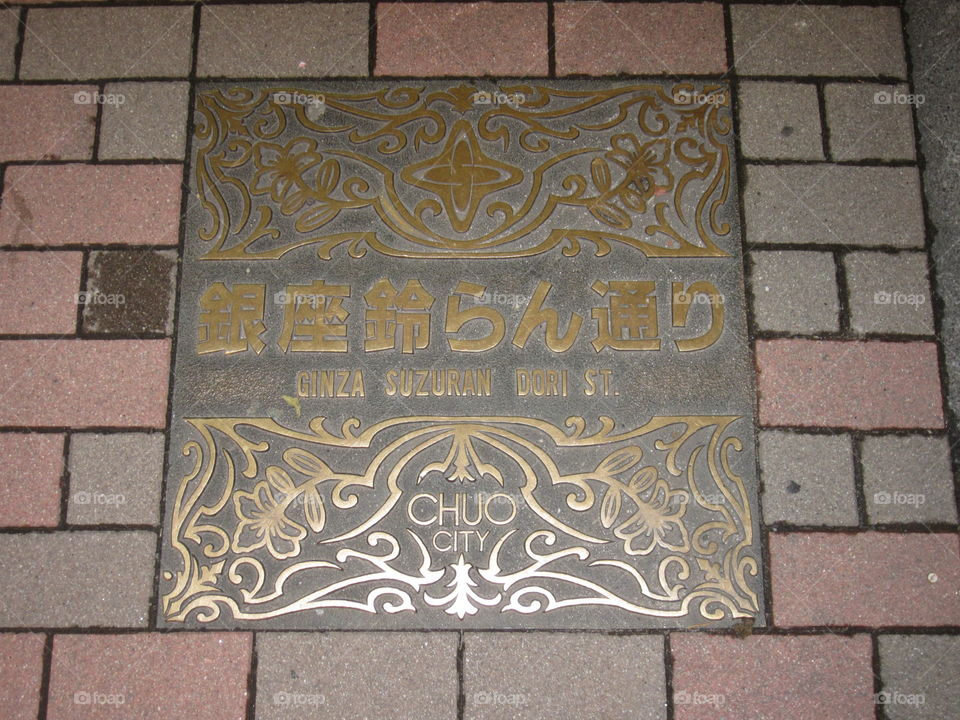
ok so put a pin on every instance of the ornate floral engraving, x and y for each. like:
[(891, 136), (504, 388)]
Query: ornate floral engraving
[(655, 524), (654, 175)]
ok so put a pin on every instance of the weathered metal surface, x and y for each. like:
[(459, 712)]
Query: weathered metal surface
[(454, 355)]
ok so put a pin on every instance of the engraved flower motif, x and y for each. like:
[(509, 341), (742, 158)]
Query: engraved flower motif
[(644, 171), (264, 524), (296, 175), (657, 519)]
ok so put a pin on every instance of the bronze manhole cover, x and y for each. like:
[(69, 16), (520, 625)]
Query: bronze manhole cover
[(461, 355)]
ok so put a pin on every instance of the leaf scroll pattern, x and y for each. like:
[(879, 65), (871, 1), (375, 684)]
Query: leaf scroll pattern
[(631, 155), (282, 523), (654, 516)]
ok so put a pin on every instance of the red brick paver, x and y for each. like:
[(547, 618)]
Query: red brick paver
[(772, 678), (865, 385), (870, 578), (21, 661), (43, 122), (82, 204), (462, 39), (190, 676), (32, 464), (38, 292), (601, 38), (84, 383)]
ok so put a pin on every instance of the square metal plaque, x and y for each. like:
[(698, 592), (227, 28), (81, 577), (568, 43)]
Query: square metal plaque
[(459, 354)]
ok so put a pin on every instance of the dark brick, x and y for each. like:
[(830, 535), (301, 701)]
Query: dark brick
[(143, 278)]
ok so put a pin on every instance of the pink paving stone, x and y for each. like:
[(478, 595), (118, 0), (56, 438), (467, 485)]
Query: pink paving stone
[(42, 122), (772, 677), (21, 668), (867, 385), (75, 204), (180, 676), (596, 38), (38, 291), (32, 464), (461, 38), (866, 578), (84, 383)]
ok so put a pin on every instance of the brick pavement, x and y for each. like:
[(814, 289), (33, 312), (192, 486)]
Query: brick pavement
[(857, 449)]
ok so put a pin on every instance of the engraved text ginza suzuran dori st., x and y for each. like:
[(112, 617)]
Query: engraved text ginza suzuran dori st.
[(461, 355), (460, 382)]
